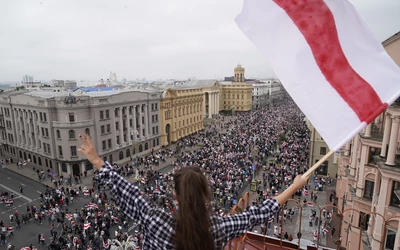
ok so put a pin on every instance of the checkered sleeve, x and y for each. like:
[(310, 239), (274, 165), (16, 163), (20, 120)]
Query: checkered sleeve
[(127, 195), (238, 224)]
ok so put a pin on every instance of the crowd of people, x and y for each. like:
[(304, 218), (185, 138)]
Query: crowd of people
[(231, 150)]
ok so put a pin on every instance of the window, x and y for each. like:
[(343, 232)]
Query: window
[(41, 116), (71, 134), (121, 155), (322, 150), (102, 129), (146, 146), (390, 239), (44, 147), (43, 131), (323, 169), (369, 190), (105, 158), (108, 128), (111, 159), (152, 107), (87, 131), (60, 153), (395, 199), (117, 137), (117, 125), (104, 145), (107, 114), (156, 118), (64, 168), (45, 117), (101, 114), (73, 150), (47, 132), (48, 148), (363, 224), (155, 106), (156, 129), (109, 143), (58, 134), (71, 117)]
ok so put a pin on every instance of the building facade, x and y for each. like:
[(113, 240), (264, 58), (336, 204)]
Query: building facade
[(42, 128), (260, 94), (318, 149), (236, 95), (368, 183), (181, 113)]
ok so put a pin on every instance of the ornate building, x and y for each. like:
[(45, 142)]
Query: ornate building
[(236, 95), (368, 183), (42, 128), (181, 113)]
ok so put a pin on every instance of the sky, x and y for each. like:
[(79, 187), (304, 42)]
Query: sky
[(152, 39)]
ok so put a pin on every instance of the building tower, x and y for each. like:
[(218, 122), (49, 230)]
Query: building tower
[(239, 74)]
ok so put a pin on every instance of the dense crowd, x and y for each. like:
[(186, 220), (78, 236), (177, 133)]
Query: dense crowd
[(231, 150)]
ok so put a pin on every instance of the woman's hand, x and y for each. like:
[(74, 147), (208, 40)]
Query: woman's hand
[(88, 150)]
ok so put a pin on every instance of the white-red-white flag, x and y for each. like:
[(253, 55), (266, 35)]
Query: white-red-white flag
[(86, 226), (327, 59)]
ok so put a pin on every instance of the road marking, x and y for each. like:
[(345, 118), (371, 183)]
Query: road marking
[(39, 192), (23, 184), (15, 192), (17, 197), (20, 206), (8, 178), (3, 212), (25, 204)]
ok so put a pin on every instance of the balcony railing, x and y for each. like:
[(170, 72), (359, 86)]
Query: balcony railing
[(86, 123)]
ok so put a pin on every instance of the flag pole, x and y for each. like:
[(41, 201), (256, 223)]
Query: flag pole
[(316, 165)]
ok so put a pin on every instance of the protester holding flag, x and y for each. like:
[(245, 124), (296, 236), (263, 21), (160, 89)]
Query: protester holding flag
[(190, 225)]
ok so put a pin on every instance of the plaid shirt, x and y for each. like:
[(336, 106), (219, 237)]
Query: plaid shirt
[(159, 226)]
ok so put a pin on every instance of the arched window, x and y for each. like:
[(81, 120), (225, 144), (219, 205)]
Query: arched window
[(105, 158), (29, 157), (58, 134), (121, 155), (111, 159), (20, 154), (140, 148), (71, 134), (87, 131), (128, 153), (24, 155), (34, 159), (146, 146), (40, 161)]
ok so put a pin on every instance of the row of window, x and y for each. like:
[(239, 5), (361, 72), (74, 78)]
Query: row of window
[(73, 149), (28, 157), (395, 194), (105, 114), (140, 149)]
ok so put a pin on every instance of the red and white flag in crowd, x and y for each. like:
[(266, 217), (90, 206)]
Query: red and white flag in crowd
[(305, 192), (328, 60), (91, 205), (310, 204), (86, 226), (69, 216)]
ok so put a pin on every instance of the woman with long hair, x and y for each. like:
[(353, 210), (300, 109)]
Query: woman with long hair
[(194, 226)]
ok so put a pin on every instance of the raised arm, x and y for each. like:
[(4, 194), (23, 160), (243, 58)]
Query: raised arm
[(127, 195), (236, 225)]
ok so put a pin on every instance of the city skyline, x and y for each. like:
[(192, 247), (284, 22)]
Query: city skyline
[(178, 40)]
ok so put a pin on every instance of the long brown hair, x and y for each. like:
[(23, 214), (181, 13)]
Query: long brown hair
[(193, 214)]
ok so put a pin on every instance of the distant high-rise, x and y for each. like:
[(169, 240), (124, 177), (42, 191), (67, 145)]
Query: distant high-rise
[(27, 78)]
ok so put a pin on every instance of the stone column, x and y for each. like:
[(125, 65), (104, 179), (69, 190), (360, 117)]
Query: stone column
[(209, 104), (361, 170), (121, 127), (368, 130), (83, 168), (24, 113), (146, 120), (204, 106), (354, 157), (378, 225), (17, 142), (215, 103), (134, 123), (140, 130), (114, 138), (128, 124), (393, 141), (386, 134)]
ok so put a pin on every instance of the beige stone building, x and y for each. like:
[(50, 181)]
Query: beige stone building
[(42, 128), (181, 113), (369, 178), (236, 95), (318, 149)]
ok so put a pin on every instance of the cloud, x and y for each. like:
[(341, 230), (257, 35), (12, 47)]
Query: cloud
[(140, 39)]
